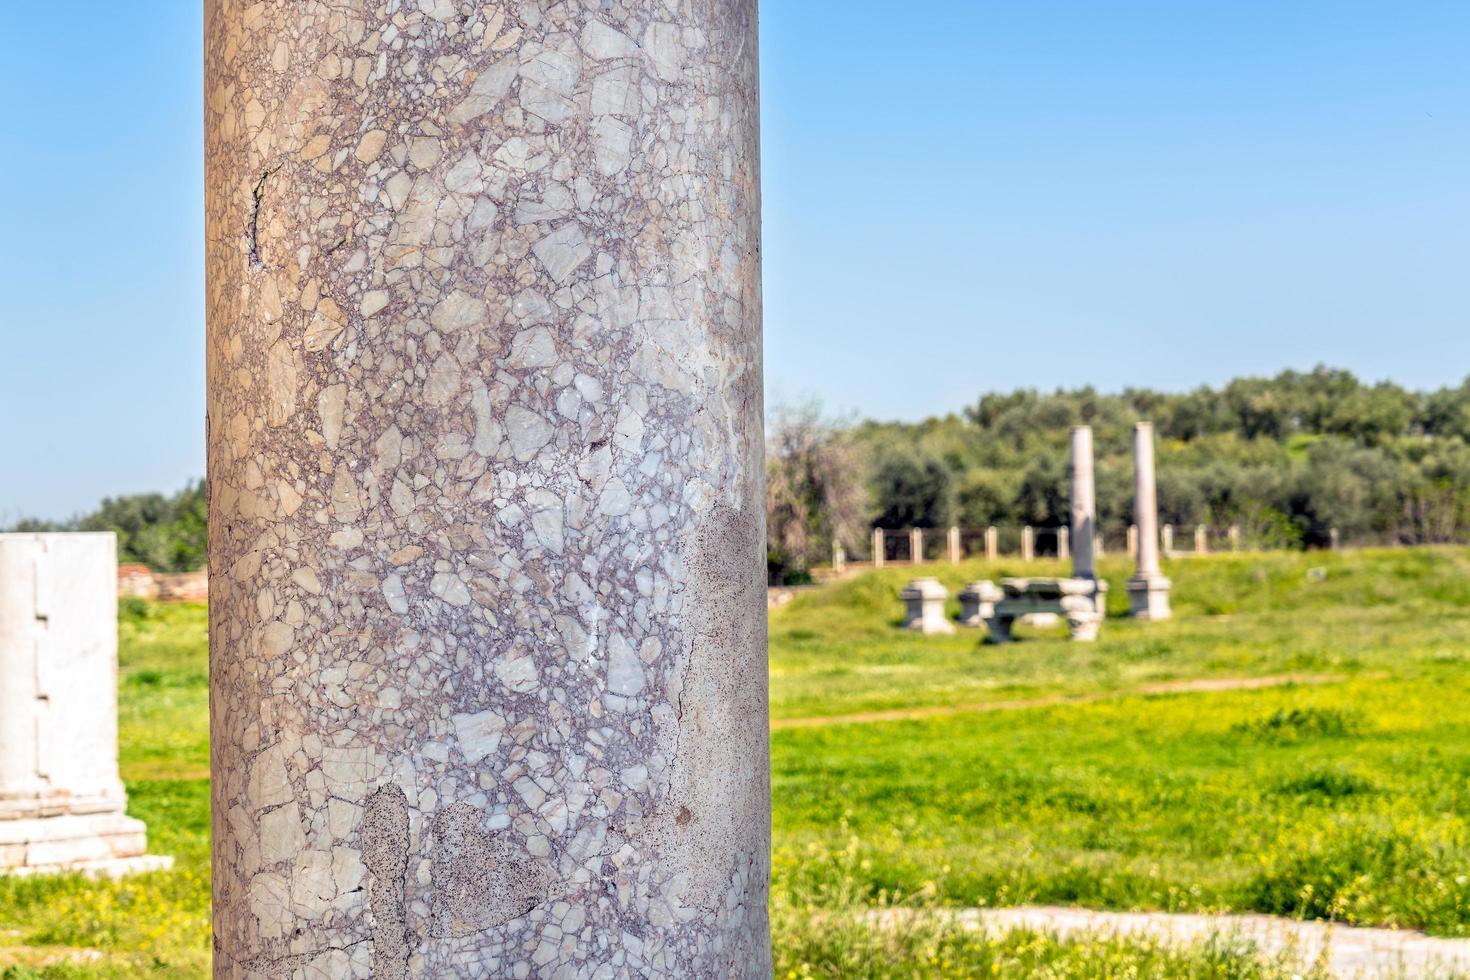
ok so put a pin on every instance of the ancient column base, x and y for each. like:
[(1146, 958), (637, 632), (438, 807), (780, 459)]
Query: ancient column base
[(977, 603), (1148, 597), (924, 607), (101, 844)]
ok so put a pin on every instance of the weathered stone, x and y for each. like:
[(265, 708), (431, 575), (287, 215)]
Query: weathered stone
[(1084, 505), (977, 602), (923, 607), (1080, 600), (61, 801), (485, 472), (1148, 589)]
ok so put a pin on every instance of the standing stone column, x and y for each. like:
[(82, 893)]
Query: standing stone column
[(878, 547), (1148, 589), (1084, 504), (488, 669)]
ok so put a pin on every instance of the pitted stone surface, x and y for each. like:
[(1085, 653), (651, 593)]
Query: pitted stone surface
[(488, 656)]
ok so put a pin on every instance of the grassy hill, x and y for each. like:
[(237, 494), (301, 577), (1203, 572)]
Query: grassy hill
[(1337, 791), (1042, 771)]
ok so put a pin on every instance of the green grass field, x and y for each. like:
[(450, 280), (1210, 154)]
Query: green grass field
[(1340, 796)]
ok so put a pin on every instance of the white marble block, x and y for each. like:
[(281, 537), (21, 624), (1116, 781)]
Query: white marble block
[(1082, 600), (977, 602), (61, 801), (923, 607)]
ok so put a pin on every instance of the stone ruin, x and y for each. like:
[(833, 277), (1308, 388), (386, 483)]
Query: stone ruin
[(1080, 598), (923, 607), (62, 805)]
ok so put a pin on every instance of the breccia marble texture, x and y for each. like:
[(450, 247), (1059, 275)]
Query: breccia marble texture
[(487, 633)]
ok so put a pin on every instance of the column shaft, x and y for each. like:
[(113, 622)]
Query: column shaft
[(1148, 589), (488, 668), (1084, 504), (1145, 501)]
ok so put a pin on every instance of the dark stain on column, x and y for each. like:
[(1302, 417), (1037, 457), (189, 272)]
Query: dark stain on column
[(479, 881), (385, 854)]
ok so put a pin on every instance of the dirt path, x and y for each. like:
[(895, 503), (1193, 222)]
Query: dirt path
[(1346, 951), (1163, 687)]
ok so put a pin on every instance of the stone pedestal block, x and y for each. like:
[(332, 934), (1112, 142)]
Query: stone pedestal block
[(1080, 600), (923, 607), (102, 844), (61, 801), (1148, 597), (977, 602)]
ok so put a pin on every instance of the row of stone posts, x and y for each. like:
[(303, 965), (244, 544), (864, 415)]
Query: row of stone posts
[(955, 548), (955, 553)]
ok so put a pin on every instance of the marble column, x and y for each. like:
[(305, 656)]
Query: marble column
[(916, 546), (878, 547), (1028, 543), (1084, 504), (487, 633), (992, 543), (1148, 589), (62, 805)]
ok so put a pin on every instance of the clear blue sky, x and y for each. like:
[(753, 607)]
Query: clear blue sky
[(960, 196)]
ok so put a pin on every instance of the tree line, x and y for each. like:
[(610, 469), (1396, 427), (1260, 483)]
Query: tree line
[(1286, 459), (168, 533)]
